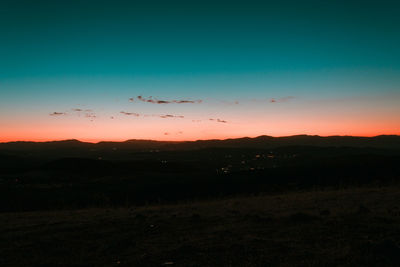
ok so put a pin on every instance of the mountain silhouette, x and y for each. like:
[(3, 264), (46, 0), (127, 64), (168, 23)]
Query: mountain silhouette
[(264, 141)]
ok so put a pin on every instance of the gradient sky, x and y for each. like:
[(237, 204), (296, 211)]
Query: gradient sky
[(221, 69)]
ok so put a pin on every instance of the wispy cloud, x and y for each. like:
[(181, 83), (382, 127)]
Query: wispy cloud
[(281, 100), (81, 110), (87, 113), (130, 113), (90, 115), (218, 120), (158, 101), (187, 101), (176, 133), (57, 113), (166, 116), (171, 116)]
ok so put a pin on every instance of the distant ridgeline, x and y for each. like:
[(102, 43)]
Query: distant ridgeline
[(382, 141), (73, 174)]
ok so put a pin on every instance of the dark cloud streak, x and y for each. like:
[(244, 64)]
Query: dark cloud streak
[(130, 113), (157, 101), (57, 113), (166, 116), (171, 116), (218, 120)]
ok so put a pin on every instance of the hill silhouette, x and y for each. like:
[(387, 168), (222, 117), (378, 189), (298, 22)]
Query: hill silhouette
[(74, 174), (264, 141)]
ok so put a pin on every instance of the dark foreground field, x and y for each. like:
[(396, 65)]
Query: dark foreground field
[(345, 227)]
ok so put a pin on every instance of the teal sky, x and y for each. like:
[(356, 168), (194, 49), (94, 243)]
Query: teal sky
[(232, 55)]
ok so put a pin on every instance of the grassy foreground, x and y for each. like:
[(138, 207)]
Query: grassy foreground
[(348, 227)]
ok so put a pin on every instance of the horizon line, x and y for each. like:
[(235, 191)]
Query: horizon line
[(195, 140)]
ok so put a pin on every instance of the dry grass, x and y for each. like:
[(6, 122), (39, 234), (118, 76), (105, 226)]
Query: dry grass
[(350, 227)]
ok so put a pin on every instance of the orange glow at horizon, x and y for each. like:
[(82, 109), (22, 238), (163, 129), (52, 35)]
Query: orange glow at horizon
[(180, 130)]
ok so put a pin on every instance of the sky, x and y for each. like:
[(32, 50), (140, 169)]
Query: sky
[(188, 70)]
